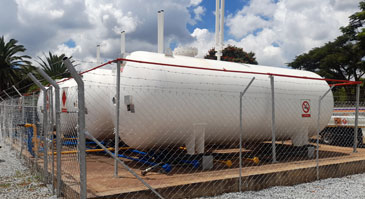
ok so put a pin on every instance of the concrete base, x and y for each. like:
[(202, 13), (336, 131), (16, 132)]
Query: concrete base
[(187, 182), (207, 162)]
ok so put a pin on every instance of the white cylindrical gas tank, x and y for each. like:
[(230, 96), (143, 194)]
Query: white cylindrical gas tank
[(98, 86), (176, 106)]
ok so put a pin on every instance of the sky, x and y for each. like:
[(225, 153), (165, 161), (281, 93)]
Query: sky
[(275, 30)]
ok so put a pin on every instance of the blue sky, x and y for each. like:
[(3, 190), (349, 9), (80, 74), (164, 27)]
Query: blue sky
[(275, 30), (208, 20)]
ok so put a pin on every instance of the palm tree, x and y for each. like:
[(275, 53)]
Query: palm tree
[(13, 67), (53, 66)]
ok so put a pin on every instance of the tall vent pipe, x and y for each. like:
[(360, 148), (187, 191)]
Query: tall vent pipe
[(160, 31), (122, 43), (219, 27), (98, 54)]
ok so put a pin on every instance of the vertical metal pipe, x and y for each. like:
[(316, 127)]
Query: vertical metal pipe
[(317, 141), (11, 118), (217, 26), (23, 121), (356, 118), (221, 25), (34, 108), (23, 129), (122, 42), (98, 54), (2, 119), (44, 127), (116, 139), (58, 127), (318, 129), (241, 134), (50, 137), (273, 133), (118, 119), (81, 125), (160, 31)]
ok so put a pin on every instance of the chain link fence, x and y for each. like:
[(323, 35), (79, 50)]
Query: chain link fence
[(185, 131)]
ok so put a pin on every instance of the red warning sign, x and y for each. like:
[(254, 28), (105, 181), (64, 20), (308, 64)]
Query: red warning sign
[(306, 108), (64, 98)]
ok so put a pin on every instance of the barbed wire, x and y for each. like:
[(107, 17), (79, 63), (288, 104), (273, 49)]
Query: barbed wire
[(167, 81)]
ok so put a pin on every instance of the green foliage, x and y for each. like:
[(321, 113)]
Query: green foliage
[(233, 54), (53, 66), (13, 67), (342, 58)]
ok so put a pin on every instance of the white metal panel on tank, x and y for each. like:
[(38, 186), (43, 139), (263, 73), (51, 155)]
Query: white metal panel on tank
[(98, 86), (170, 102)]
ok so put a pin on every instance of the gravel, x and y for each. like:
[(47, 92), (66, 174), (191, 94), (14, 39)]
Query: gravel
[(347, 187), (17, 181)]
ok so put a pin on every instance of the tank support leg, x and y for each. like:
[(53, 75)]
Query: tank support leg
[(195, 143)]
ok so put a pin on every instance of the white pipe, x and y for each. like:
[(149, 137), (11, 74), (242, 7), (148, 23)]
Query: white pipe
[(98, 54), (221, 31), (122, 43), (160, 31), (216, 24)]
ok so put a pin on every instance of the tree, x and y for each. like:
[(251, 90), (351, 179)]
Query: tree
[(233, 54), (13, 67), (339, 59), (53, 66), (355, 31)]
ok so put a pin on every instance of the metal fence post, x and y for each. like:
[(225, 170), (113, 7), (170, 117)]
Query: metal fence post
[(356, 118), (318, 129), (21, 136), (45, 126), (58, 127), (81, 125), (52, 145), (11, 117), (2, 119), (241, 134), (34, 108), (273, 135), (116, 150), (116, 145), (11, 120), (34, 104)]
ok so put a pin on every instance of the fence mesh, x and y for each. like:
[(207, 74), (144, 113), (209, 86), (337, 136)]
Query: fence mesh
[(180, 131)]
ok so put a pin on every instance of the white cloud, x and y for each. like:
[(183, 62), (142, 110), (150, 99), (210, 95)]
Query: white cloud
[(204, 40), (199, 11), (64, 49), (195, 2), (242, 25), (277, 32), (43, 25)]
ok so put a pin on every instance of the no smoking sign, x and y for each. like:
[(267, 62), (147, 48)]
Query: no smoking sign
[(306, 108)]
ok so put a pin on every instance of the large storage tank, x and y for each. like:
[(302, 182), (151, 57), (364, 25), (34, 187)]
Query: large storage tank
[(98, 86), (179, 106)]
